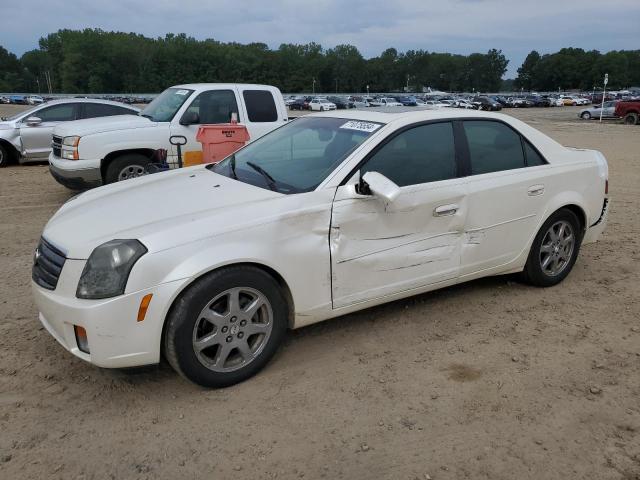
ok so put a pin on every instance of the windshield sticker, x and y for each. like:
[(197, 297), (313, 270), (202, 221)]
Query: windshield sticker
[(182, 92), (361, 126)]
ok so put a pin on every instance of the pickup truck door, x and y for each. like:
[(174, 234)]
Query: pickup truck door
[(211, 107), (36, 138)]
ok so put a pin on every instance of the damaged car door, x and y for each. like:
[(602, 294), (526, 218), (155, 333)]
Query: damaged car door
[(381, 247)]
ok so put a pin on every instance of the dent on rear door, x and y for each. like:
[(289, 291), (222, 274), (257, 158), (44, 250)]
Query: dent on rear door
[(380, 249)]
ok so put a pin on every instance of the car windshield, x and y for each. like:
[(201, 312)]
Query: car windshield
[(164, 107), (298, 156)]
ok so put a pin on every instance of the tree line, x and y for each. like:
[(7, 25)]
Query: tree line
[(95, 61)]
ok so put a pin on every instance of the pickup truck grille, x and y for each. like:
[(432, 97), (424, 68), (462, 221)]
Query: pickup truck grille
[(56, 144), (47, 265)]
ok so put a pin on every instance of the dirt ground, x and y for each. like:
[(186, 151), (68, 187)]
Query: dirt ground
[(487, 380)]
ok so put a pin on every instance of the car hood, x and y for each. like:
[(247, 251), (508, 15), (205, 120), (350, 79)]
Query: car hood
[(161, 210), (102, 124)]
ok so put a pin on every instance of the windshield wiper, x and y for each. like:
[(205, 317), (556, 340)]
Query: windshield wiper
[(270, 180), (232, 164)]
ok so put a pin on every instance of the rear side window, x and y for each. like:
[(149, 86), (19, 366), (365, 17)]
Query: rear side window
[(93, 110), (533, 157), (214, 106), (260, 106), (57, 113), (493, 147), (420, 155)]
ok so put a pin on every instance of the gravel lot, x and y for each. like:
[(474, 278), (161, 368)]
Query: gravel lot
[(487, 380)]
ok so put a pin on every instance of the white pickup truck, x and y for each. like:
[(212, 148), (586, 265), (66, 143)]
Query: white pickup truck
[(89, 153)]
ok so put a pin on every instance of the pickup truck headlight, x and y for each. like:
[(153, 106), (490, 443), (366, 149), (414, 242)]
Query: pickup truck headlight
[(69, 148), (107, 270)]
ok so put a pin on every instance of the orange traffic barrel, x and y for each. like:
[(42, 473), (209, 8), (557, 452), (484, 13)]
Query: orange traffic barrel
[(221, 140)]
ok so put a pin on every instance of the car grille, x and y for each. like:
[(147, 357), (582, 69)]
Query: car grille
[(56, 144), (47, 265)]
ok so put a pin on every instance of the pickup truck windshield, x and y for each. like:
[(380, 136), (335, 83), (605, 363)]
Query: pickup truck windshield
[(298, 156), (164, 107)]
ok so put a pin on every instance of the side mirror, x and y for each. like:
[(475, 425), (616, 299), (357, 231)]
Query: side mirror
[(190, 118), (381, 186), (33, 121)]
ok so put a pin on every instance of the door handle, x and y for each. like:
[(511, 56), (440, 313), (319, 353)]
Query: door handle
[(445, 210), (534, 190)]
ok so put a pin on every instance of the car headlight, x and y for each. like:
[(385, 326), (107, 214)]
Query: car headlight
[(69, 148), (106, 272)]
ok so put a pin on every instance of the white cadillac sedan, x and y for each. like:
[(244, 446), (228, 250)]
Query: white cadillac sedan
[(331, 213)]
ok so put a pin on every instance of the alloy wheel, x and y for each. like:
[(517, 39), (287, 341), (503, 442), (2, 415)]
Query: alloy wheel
[(557, 248), (131, 171), (232, 329)]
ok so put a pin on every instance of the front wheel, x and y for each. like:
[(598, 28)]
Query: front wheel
[(4, 156), (585, 116), (127, 166), (554, 250), (226, 326), (631, 119)]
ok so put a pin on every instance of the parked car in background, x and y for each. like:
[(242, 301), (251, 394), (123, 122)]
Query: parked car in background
[(298, 104), (407, 100), (26, 136), (327, 215), (4, 100), (538, 101), (486, 103), (594, 111), (385, 102), (629, 111), (436, 104), (34, 100), (519, 102), (108, 150), (321, 105), (341, 103), (18, 99), (464, 103), (360, 102)]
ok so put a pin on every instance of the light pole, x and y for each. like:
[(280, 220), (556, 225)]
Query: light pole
[(367, 90), (313, 88), (336, 85)]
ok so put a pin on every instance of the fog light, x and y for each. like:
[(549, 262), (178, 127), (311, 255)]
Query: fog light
[(81, 339)]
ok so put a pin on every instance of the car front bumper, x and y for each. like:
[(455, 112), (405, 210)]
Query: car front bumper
[(116, 338), (75, 174)]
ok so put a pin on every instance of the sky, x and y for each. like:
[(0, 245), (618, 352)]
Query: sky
[(456, 26)]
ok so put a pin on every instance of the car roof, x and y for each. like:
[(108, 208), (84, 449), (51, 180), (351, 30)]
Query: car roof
[(199, 86), (410, 114), (89, 100)]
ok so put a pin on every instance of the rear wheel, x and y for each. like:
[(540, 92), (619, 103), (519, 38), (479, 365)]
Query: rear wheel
[(554, 250), (127, 166), (585, 116), (631, 119), (226, 326)]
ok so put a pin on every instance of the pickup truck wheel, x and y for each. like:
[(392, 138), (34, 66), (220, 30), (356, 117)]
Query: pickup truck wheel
[(226, 326), (4, 156), (127, 166), (554, 250), (631, 119), (585, 116)]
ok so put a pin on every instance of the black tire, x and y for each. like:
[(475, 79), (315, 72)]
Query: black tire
[(133, 161), (631, 119), (533, 272), (5, 156), (585, 116), (181, 322)]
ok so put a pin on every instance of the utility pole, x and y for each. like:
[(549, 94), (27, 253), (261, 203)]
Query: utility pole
[(604, 90)]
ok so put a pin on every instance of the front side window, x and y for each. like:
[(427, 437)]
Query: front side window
[(298, 156), (93, 110), (214, 106), (164, 107), (260, 106), (420, 155), (57, 113), (493, 147)]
